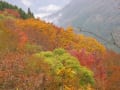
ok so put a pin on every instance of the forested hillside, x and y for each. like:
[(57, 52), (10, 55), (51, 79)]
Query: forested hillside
[(35, 55), (97, 18), (14, 10)]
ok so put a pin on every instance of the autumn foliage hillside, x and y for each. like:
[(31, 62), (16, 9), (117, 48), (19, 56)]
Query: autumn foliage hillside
[(35, 55), (11, 10)]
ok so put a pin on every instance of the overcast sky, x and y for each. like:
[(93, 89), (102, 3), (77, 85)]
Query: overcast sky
[(40, 8)]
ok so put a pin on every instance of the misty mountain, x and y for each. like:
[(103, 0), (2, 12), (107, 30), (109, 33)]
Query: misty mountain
[(101, 17)]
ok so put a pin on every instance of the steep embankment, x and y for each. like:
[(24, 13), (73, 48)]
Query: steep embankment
[(101, 17)]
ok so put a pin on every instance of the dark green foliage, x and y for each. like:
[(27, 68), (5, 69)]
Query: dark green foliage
[(4, 5), (30, 14), (24, 15)]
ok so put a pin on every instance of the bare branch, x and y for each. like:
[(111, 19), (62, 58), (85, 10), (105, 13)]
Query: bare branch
[(92, 33)]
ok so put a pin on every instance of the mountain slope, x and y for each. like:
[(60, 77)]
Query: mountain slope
[(13, 10), (101, 17)]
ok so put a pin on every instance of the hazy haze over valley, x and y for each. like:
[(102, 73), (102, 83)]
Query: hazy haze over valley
[(102, 17)]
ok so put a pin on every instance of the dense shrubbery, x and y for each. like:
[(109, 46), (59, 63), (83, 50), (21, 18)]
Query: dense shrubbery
[(14, 10), (35, 55)]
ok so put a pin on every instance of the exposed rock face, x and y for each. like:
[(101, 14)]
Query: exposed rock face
[(116, 37), (101, 17)]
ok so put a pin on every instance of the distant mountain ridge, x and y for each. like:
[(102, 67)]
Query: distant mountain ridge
[(101, 17)]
